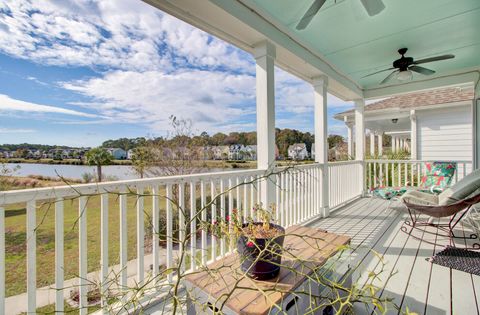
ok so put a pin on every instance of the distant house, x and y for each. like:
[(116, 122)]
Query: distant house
[(236, 152), (220, 152), (117, 153), (298, 151), (204, 152), (251, 152), (130, 154)]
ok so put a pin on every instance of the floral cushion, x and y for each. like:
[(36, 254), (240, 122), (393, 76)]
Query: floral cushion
[(438, 175), (389, 192)]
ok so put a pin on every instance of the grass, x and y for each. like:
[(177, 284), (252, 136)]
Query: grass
[(50, 309), (15, 239)]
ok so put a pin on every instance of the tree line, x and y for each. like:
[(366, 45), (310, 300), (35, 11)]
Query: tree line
[(284, 138)]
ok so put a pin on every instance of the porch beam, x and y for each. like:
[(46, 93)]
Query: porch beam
[(265, 89), (320, 87), (432, 82), (341, 85)]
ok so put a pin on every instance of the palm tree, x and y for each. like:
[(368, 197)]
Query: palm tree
[(98, 157)]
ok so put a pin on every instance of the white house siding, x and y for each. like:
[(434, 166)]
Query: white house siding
[(446, 134)]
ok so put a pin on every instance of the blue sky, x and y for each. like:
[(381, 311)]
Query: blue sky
[(81, 72)]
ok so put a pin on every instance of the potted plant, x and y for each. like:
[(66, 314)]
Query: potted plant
[(259, 242)]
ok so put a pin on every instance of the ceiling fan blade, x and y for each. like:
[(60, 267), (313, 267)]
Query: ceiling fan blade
[(389, 77), (311, 12), (376, 72), (373, 7), (421, 70), (437, 58)]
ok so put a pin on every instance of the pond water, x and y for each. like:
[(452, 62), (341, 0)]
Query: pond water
[(76, 171)]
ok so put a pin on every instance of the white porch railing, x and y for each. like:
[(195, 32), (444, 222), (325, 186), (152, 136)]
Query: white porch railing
[(297, 197), (345, 182), (404, 172)]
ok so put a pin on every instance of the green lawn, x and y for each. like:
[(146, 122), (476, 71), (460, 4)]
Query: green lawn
[(16, 273)]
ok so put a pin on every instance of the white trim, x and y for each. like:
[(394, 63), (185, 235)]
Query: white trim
[(450, 79), (396, 112)]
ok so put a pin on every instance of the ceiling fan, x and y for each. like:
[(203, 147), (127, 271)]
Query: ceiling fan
[(404, 66), (373, 7)]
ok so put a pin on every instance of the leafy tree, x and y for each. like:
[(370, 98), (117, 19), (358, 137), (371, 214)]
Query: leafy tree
[(141, 159), (98, 157), (333, 140), (218, 139)]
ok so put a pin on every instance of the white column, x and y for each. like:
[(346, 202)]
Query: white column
[(265, 67), (320, 87), (372, 143), (380, 144), (476, 127), (359, 130), (350, 139), (360, 139)]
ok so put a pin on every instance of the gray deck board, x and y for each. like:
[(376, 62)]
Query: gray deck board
[(423, 287)]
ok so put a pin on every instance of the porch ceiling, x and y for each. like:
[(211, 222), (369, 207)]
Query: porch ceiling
[(358, 44)]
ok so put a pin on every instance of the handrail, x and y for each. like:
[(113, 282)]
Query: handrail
[(25, 195), (416, 161)]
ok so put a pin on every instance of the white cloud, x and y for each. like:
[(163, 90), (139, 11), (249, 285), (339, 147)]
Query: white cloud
[(13, 130), (127, 35), (149, 66), (208, 98), (8, 104)]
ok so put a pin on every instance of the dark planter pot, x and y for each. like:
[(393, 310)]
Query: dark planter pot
[(268, 265)]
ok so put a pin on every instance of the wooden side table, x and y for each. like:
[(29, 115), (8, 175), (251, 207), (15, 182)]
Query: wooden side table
[(211, 290)]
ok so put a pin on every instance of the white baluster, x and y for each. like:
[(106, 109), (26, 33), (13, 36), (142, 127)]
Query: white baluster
[(104, 251), (204, 220), (230, 211), (155, 232), (59, 263), (31, 257), (193, 226), (123, 239), (140, 236), (214, 219), (82, 248), (181, 223), (222, 215), (169, 236)]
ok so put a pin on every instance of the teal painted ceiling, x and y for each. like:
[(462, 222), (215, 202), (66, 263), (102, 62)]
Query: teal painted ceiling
[(358, 44)]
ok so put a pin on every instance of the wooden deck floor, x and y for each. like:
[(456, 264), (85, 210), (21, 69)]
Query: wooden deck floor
[(423, 287)]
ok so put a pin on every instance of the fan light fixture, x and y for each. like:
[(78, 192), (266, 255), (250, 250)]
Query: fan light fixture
[(394, 120), (405, 75)]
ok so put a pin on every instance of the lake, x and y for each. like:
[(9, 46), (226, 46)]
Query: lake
[(76, 171)]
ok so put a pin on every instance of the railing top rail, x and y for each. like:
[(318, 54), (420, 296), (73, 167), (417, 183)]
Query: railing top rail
[(24, 195), (67, 191), (416, 161), (345, 162)]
